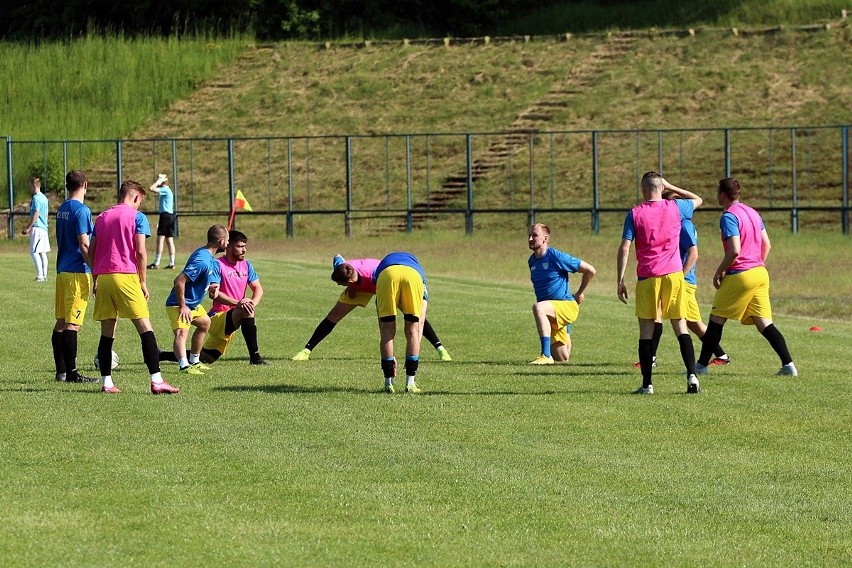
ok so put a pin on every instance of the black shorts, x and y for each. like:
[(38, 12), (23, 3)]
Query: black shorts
[(166, 226)]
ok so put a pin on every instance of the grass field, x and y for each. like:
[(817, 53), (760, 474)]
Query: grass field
[(498, 463)]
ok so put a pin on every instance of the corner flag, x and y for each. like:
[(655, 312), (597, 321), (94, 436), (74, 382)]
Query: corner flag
[(240, 201)]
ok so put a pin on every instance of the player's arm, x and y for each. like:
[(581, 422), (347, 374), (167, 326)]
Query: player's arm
[(588, 272), (256, 292), (83, 243), (621, 267), (33, 220), (221, 297), (161, 179), (766, 245), (180, 295), (732, 251), (141, 262), (691, 259), (683, 194), (92, 246)]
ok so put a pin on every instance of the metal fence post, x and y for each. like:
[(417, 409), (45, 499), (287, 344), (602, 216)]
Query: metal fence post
[(727, 152), (290, 187), (65, 163), (11, 185), (175, 184), (410, 225), (596, 215), (794, 210), (660, 152), (844, 145), (532, 165), (347, 215), (119, 166), (468, 215), (232, 195)]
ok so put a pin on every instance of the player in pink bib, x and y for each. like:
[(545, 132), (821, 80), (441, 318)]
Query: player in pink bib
[(655, 227), (741, 280)]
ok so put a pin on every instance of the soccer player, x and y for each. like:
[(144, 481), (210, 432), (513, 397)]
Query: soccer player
[(199, 277), (37, 229), (119, 260), (231, 308), (555, 308), (73, 278), (689, 259), (357, 276), (166, 223), (655, 226), (400, 284), (741, 280)]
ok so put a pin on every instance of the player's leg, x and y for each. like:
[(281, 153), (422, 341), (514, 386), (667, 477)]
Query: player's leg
[(201, 323), (158, 255), (56, 345), (432, 337), (698, 328), (387, 331), (779, 345), (325, 327), (561, 351), (247, 324), (105, 352), (150, 354), (543, 313), (170, 243)]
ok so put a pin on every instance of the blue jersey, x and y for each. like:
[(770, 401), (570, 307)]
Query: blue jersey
[(39, 203), (549, 274), (73, 219), (167, 199), (202, 270), (402, 259), (688, 239)]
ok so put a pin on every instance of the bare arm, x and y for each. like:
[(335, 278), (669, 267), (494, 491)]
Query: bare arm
[(684, 194), (767, 246), (26, 230), (180, 294), (731, 254), (621, 266), (83, 243), (588, 271), (691, 259), (141, 262)]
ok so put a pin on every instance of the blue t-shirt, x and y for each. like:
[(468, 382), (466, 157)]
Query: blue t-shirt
[(167, 199), (730, 225), (688, 239), (685, 206), (402, 259), (549, 274), (39, 203), (202, 270), (73, 219)]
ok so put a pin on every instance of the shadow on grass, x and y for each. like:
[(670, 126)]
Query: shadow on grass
[(293, 389)]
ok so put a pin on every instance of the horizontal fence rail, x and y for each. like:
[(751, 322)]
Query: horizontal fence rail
[(401, 182)]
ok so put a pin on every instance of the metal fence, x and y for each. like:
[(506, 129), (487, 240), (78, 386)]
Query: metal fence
[(402, 182)]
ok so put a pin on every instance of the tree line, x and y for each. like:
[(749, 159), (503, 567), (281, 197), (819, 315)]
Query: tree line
[(265, 19)]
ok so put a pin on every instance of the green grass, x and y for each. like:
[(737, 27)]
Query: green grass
[(497, 464)]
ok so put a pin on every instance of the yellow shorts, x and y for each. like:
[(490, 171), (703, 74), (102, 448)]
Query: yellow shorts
[(693, 312), (665, 292), (400, 287), (566, 314), (174, 316), (744, 296), (360, 299), (72, 296), (120, 295), (216, 338)]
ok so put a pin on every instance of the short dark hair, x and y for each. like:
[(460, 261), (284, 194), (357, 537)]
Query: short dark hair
[(129, 185), (74, 180), (235, 236), (343, 273), (215, 233), (730, 187)]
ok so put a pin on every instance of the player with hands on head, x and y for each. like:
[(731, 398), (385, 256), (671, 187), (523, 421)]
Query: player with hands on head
[(655, 226)]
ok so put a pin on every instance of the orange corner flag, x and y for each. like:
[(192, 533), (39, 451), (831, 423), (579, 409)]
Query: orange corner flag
[(240, 201)]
